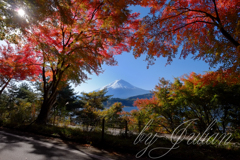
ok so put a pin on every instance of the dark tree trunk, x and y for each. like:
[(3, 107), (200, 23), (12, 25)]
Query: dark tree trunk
[(45, 110), (43, 116), (49, 98), (50, 92), (48, 103)]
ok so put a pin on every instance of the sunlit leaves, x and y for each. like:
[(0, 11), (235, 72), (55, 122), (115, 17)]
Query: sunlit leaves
[(17, 63), (207, 30), (99, 30), (210, 96)]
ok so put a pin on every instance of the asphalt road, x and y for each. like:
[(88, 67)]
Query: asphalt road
[(15, 147)]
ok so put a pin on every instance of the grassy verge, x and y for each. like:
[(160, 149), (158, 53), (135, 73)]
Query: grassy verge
[(124, 145)]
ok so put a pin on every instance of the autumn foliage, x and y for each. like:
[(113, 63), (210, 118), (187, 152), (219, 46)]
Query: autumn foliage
[(207, 30), (75, 38), (17, 63), (206, 97), (96, 31)]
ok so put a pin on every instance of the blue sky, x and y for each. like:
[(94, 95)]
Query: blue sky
[(135, 71)]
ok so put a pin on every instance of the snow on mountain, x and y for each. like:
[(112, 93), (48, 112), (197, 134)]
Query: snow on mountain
[(118, 84), (123, 89)]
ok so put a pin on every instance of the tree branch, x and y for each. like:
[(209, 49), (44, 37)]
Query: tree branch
[(217, 21), (215, 6), (224, 32), (1, 91), (194, 10), (174, 30), (93, 14)]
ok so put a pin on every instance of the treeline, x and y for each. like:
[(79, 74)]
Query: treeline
[(206, 98), (126, 102), (20, 105)]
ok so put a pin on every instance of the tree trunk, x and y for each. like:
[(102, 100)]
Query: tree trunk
[(48, 102), (50, 94), (45, 110), (43, 116)]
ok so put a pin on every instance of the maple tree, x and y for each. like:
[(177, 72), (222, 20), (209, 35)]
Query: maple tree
[(209, 30), (98, 31), (17, 63)]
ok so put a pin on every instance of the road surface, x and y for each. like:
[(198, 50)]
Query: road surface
[(15, 147)]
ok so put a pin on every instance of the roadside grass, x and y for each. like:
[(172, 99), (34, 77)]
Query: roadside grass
[(125, 145)]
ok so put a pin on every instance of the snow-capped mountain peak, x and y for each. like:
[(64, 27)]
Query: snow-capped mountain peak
[(123, 89), (119, 84)]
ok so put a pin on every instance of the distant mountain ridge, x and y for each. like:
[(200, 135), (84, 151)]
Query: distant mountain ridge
[(142, 96), (123, 89), (127, 102)]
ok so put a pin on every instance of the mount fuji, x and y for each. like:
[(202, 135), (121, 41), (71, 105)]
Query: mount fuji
[(123, 89)]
